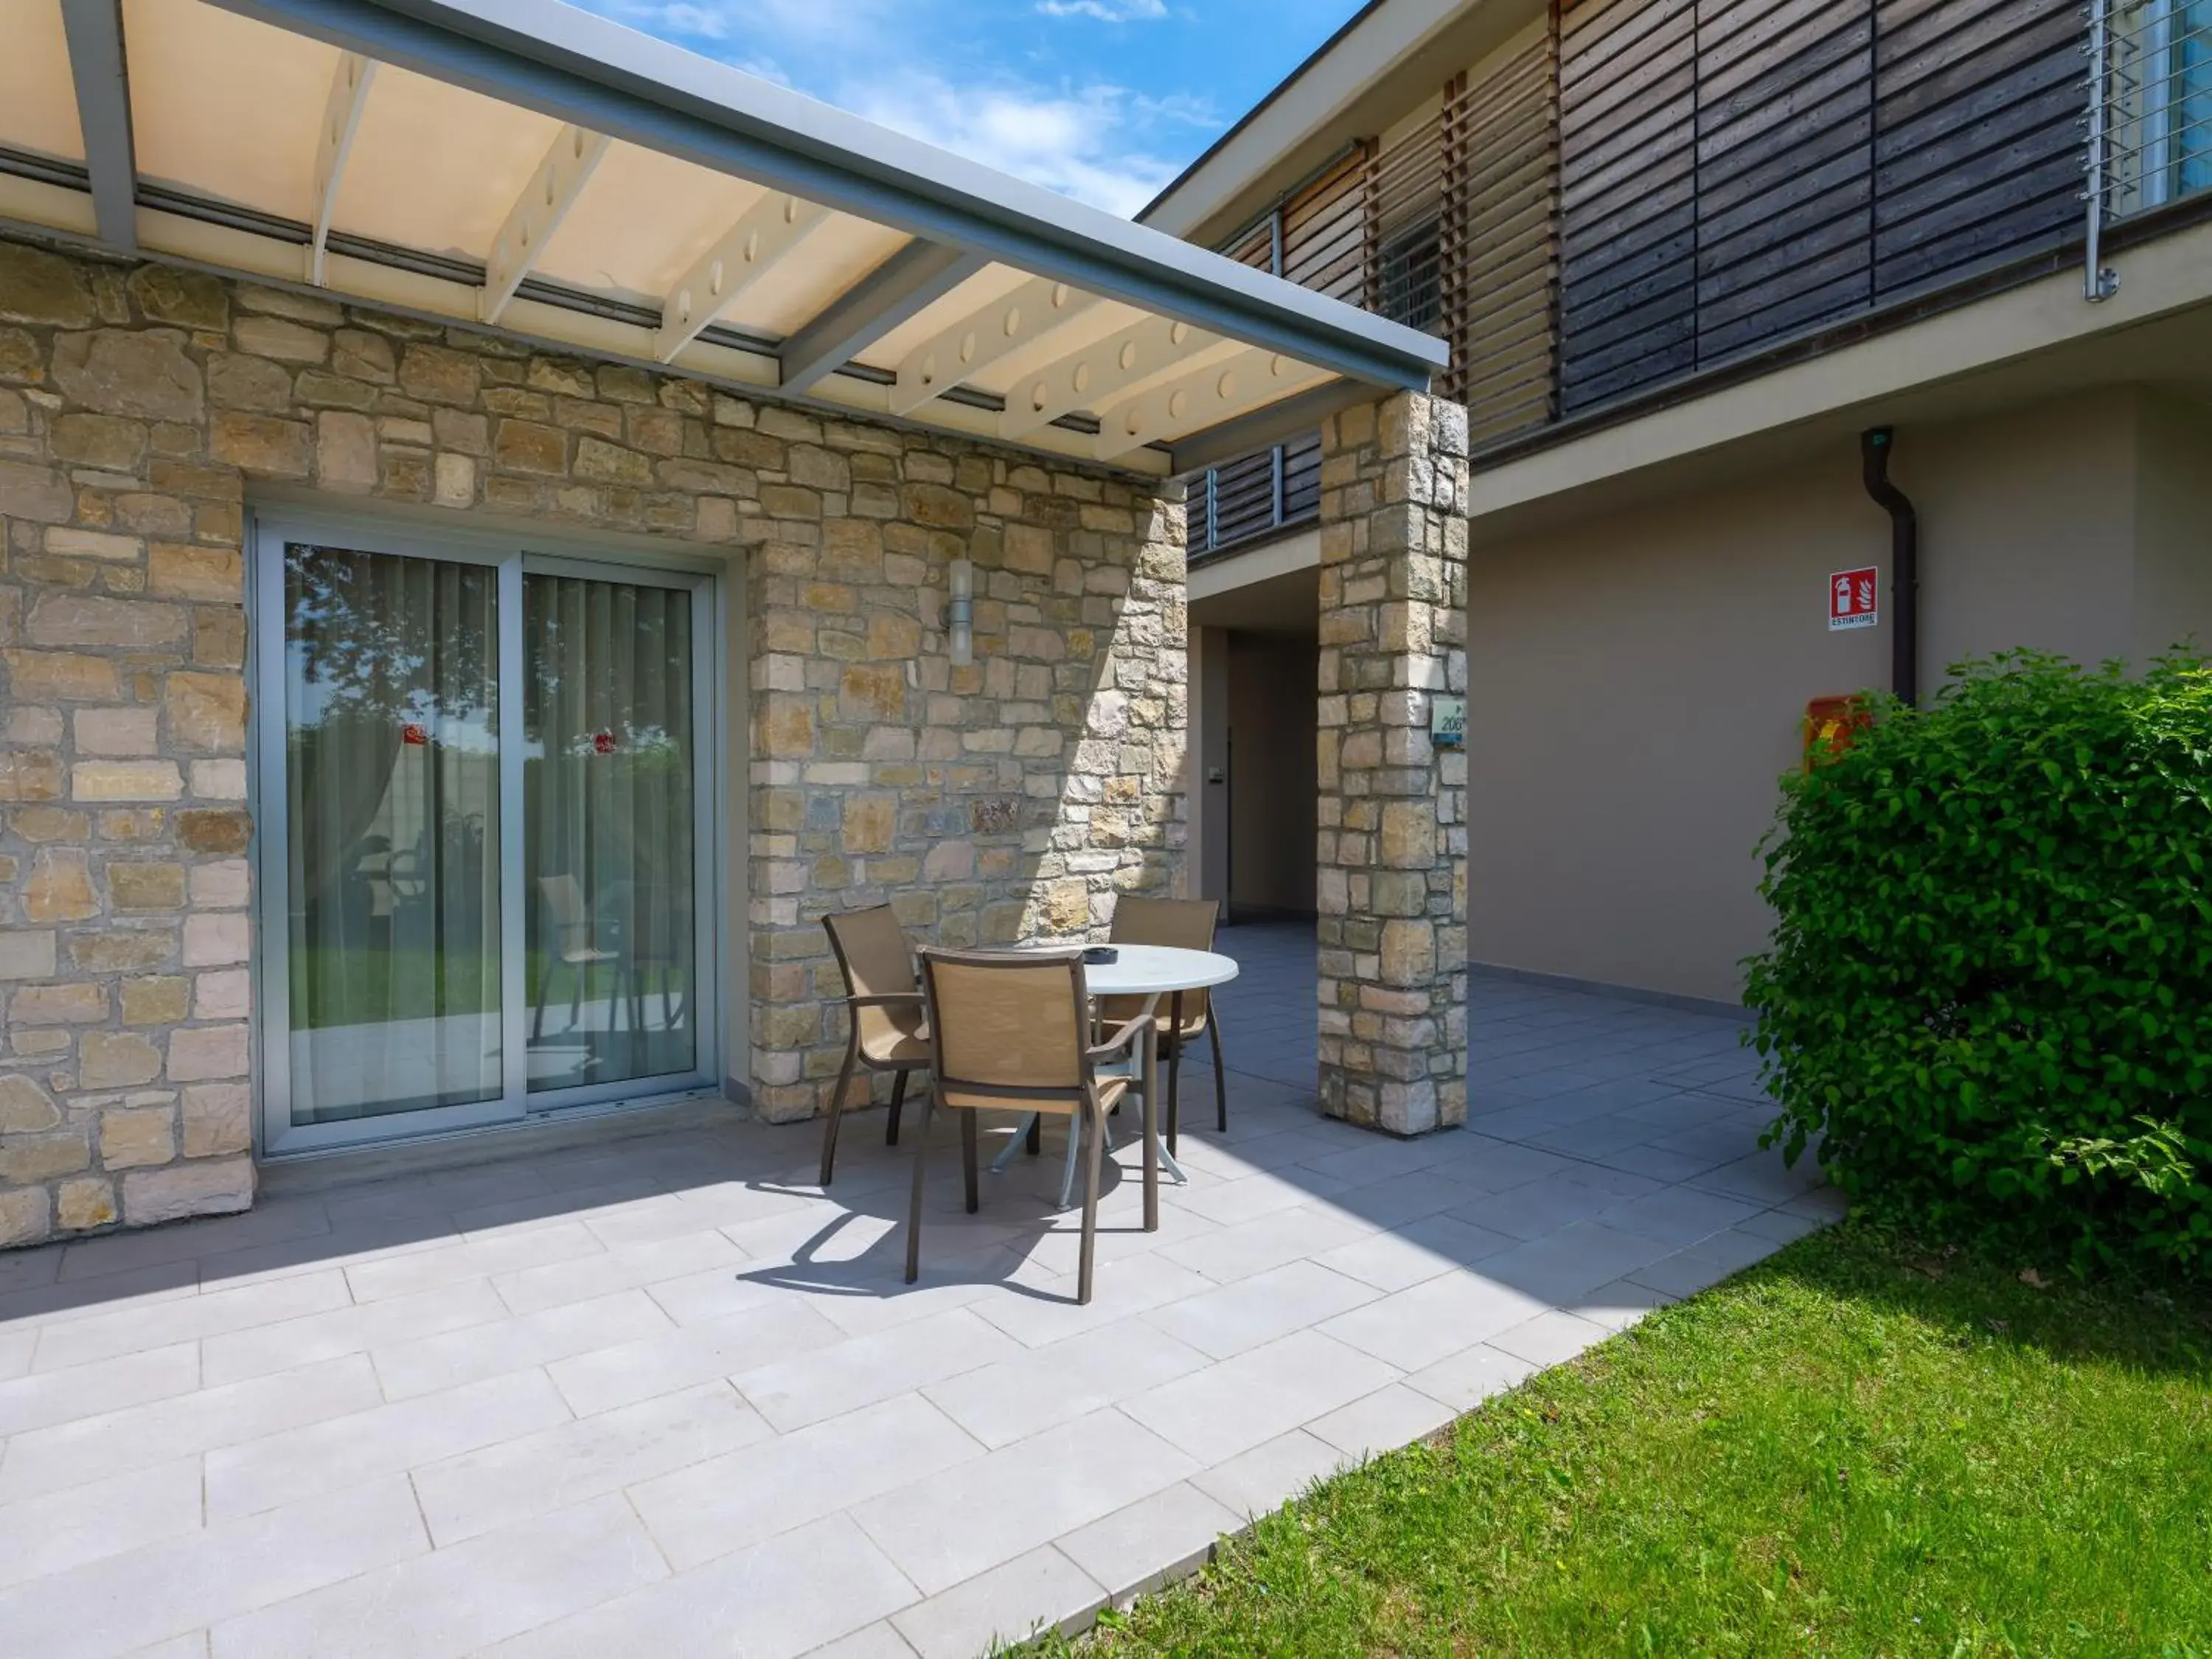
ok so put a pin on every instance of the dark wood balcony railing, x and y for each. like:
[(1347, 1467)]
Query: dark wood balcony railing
[(1641, 193)]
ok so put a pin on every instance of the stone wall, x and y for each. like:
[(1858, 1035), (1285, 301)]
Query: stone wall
[(1392, 881), (139, 407)]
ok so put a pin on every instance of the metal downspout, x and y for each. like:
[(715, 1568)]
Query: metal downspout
[(1904, 563)]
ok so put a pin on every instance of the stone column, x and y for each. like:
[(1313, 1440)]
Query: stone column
[(1391, 886)]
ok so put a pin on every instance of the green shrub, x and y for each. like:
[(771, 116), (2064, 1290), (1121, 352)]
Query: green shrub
[(1989, 995)]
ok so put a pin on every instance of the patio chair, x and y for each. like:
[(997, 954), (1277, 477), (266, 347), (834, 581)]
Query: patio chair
[(884, 1013), (1187, 924), (574, 945), (1013, 1031)]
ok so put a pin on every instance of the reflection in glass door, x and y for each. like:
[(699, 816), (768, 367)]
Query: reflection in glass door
[(482, 821), (608, 807)]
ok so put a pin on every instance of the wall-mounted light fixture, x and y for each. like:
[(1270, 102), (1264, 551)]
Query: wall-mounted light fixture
[(960, 613)]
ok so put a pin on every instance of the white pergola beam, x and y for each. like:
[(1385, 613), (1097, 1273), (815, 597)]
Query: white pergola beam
[(1122, 363), (333, 143), (101, 70), (553, 189), (1220, 392), (745, 254), (957, 353)]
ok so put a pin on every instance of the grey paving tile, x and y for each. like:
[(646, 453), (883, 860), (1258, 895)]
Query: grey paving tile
[(1678, 1215), (513, 1480), (1620, 1305), (1130, 1285), (1270, 1241), (1266, 1476), (32, 1401), (354, 1328), (428, 1364), (1393, 1260), (269, 1222), (52, 1533), (880, 1640), (786, 1596), (1464, 1380), (628, 1372), (1042, 1590), (627, 1268), (1240, 1403), (859, 1371), (946, 1528), (103, 1335), (1563, 1264), (452, 1264), (1248, 1312), (1761, 1177), (722, 1504), (1415, 1326), (88, 1448), (182, 1585), (1154, 1541), (1036, 1388), (1706, 1262), (329, 1456), (1391, 1416), (458, 1600), (1544, 1206), (1550, 1338)]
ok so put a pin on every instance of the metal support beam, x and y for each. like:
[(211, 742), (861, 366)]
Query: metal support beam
[(102, 76), (1217, 392), (956, 353), (1241, 435), (333, 142), (1121, 364), (552, 191), (916, 276), (740, 257)]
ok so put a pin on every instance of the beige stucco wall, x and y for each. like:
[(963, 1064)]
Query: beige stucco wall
[(1636, 680)]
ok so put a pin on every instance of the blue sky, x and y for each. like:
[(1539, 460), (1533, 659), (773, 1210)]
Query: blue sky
[(1105, 101)]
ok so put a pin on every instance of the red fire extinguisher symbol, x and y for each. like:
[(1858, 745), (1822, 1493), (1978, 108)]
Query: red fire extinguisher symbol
[(1854, 599)]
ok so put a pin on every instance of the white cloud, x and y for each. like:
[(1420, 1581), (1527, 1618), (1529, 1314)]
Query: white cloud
[(1106, 11)]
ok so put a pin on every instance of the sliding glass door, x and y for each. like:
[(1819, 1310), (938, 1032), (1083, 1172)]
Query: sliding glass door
[(482, 816)]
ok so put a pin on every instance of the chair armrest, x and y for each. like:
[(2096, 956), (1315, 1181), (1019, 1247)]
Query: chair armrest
[(1120, 1040)]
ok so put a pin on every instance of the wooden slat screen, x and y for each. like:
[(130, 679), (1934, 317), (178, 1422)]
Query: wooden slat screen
[(1500, 242), (1736, 172), (1325, 232), (1405, 212)]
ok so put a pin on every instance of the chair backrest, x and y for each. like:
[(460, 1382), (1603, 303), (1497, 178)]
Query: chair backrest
[(1186, 924), (873, 955), (1003, 1021), (564, 902)]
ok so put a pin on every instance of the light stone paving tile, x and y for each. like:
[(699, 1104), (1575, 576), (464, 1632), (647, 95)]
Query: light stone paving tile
[(1781, 1225), (946, 1528), (1267, 1477), (723, 1204), (1678, 1215), (1761, 1176), (1043, 1590), (1241, 1197), (1154, 1541), (1288, 1235), (629, 1372), (41, 1398), (458, 1600), (1240, 1403), (60, 1530), (1595, 1137), (269, 1222), (1036, 1388), (15, 1354), (1131, 1286), (1703, 1264), (182, 1585), (515, 1215), (452, 1264), (90, 1448), (1620, 1305), (861, 1370), (1382, 1422), (885, 1299), (1550, 1338), (349, 1451), (1419, 1250), (1658, 1164), (721, 1292), (1572, 1193), (354, 1328), (1121, 1235), (730, 1502), (630, 1267), (1572, 1261), (1381, 1159), (816, 1235), (1248, 1312), (27, 1270), (880, 1640), (354, 1245), (133, 1330), (191, 1645), (431, 1363), (1402, 1200), (1464, 1380), (782, 1597), (1416, 1327), (512, 1480)]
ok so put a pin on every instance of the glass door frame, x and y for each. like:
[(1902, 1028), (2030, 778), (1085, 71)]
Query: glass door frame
[(512, 558)]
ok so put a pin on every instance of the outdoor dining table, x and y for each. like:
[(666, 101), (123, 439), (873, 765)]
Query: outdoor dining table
[(1149, 972)]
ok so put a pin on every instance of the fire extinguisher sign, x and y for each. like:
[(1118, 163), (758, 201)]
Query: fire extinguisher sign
[(1852, 601)]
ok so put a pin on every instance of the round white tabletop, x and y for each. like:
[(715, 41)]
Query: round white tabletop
[(1142, 970)]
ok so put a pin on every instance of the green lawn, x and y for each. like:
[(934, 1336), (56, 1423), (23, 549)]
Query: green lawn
[(1856, 1448)]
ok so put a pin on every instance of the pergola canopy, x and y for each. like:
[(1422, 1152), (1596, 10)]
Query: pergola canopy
[(526, 166)]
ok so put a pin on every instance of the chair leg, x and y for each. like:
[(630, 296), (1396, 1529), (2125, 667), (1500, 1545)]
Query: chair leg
[(920, 1177), (1172, 1117), (538, 1015), (968, 1157), (898, 1097), (1220, 1076), (1097, 1127), (577, 971), (1036, 1133), (837, 1110)]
